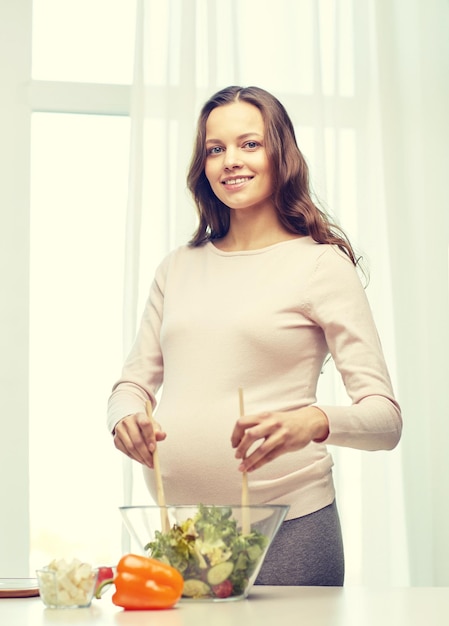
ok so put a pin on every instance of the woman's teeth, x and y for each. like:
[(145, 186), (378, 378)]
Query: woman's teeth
[(236, 181)]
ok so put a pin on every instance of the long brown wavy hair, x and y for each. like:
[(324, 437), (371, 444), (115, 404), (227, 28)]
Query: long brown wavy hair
[(291, 188)]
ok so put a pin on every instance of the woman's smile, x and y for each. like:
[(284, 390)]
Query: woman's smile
[(236, 182)]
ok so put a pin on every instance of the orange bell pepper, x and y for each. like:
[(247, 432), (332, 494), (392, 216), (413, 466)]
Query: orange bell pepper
[(142, 583)]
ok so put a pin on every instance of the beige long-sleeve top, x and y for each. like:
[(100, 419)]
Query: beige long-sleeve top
[(263, 320)]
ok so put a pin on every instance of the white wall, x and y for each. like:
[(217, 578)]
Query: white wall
[(15, 70)]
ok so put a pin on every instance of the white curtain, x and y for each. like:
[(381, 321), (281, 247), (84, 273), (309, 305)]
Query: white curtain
[(366, 85), (413, 98)]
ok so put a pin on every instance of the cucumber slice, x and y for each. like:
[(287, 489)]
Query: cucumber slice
[(194, 588), (254, 552), (219, 573)]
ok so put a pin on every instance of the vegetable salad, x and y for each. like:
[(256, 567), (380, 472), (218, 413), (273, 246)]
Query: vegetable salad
[(215, 560)]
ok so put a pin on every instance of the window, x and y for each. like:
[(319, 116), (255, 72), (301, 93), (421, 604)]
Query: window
[(79, 178), (78, 201), (83, 41)]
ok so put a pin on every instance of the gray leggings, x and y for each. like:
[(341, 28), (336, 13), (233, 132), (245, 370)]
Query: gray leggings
[(306, 551)]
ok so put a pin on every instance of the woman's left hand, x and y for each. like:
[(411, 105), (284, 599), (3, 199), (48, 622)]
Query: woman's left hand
[(276, 433)]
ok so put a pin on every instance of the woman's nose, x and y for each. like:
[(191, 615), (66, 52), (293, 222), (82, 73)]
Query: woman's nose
[(232, 160)]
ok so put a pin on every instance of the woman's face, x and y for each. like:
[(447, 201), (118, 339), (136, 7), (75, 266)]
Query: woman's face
[(237, 166)]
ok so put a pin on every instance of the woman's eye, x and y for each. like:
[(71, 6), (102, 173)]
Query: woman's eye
[(214, 150), (251, 145)]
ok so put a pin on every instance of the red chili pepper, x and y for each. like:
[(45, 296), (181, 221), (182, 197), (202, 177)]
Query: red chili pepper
[(142, 583)]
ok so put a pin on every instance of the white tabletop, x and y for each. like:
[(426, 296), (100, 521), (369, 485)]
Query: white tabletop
[(266, 606)]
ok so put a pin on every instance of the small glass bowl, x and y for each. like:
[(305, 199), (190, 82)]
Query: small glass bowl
[(59, 591)]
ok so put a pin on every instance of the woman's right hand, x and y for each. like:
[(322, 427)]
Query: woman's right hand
[(136, 436)]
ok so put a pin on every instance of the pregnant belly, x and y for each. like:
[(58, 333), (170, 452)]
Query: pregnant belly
[(197, 468)]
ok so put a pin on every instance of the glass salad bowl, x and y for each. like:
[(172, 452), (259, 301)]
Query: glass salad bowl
[(219, 550)]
